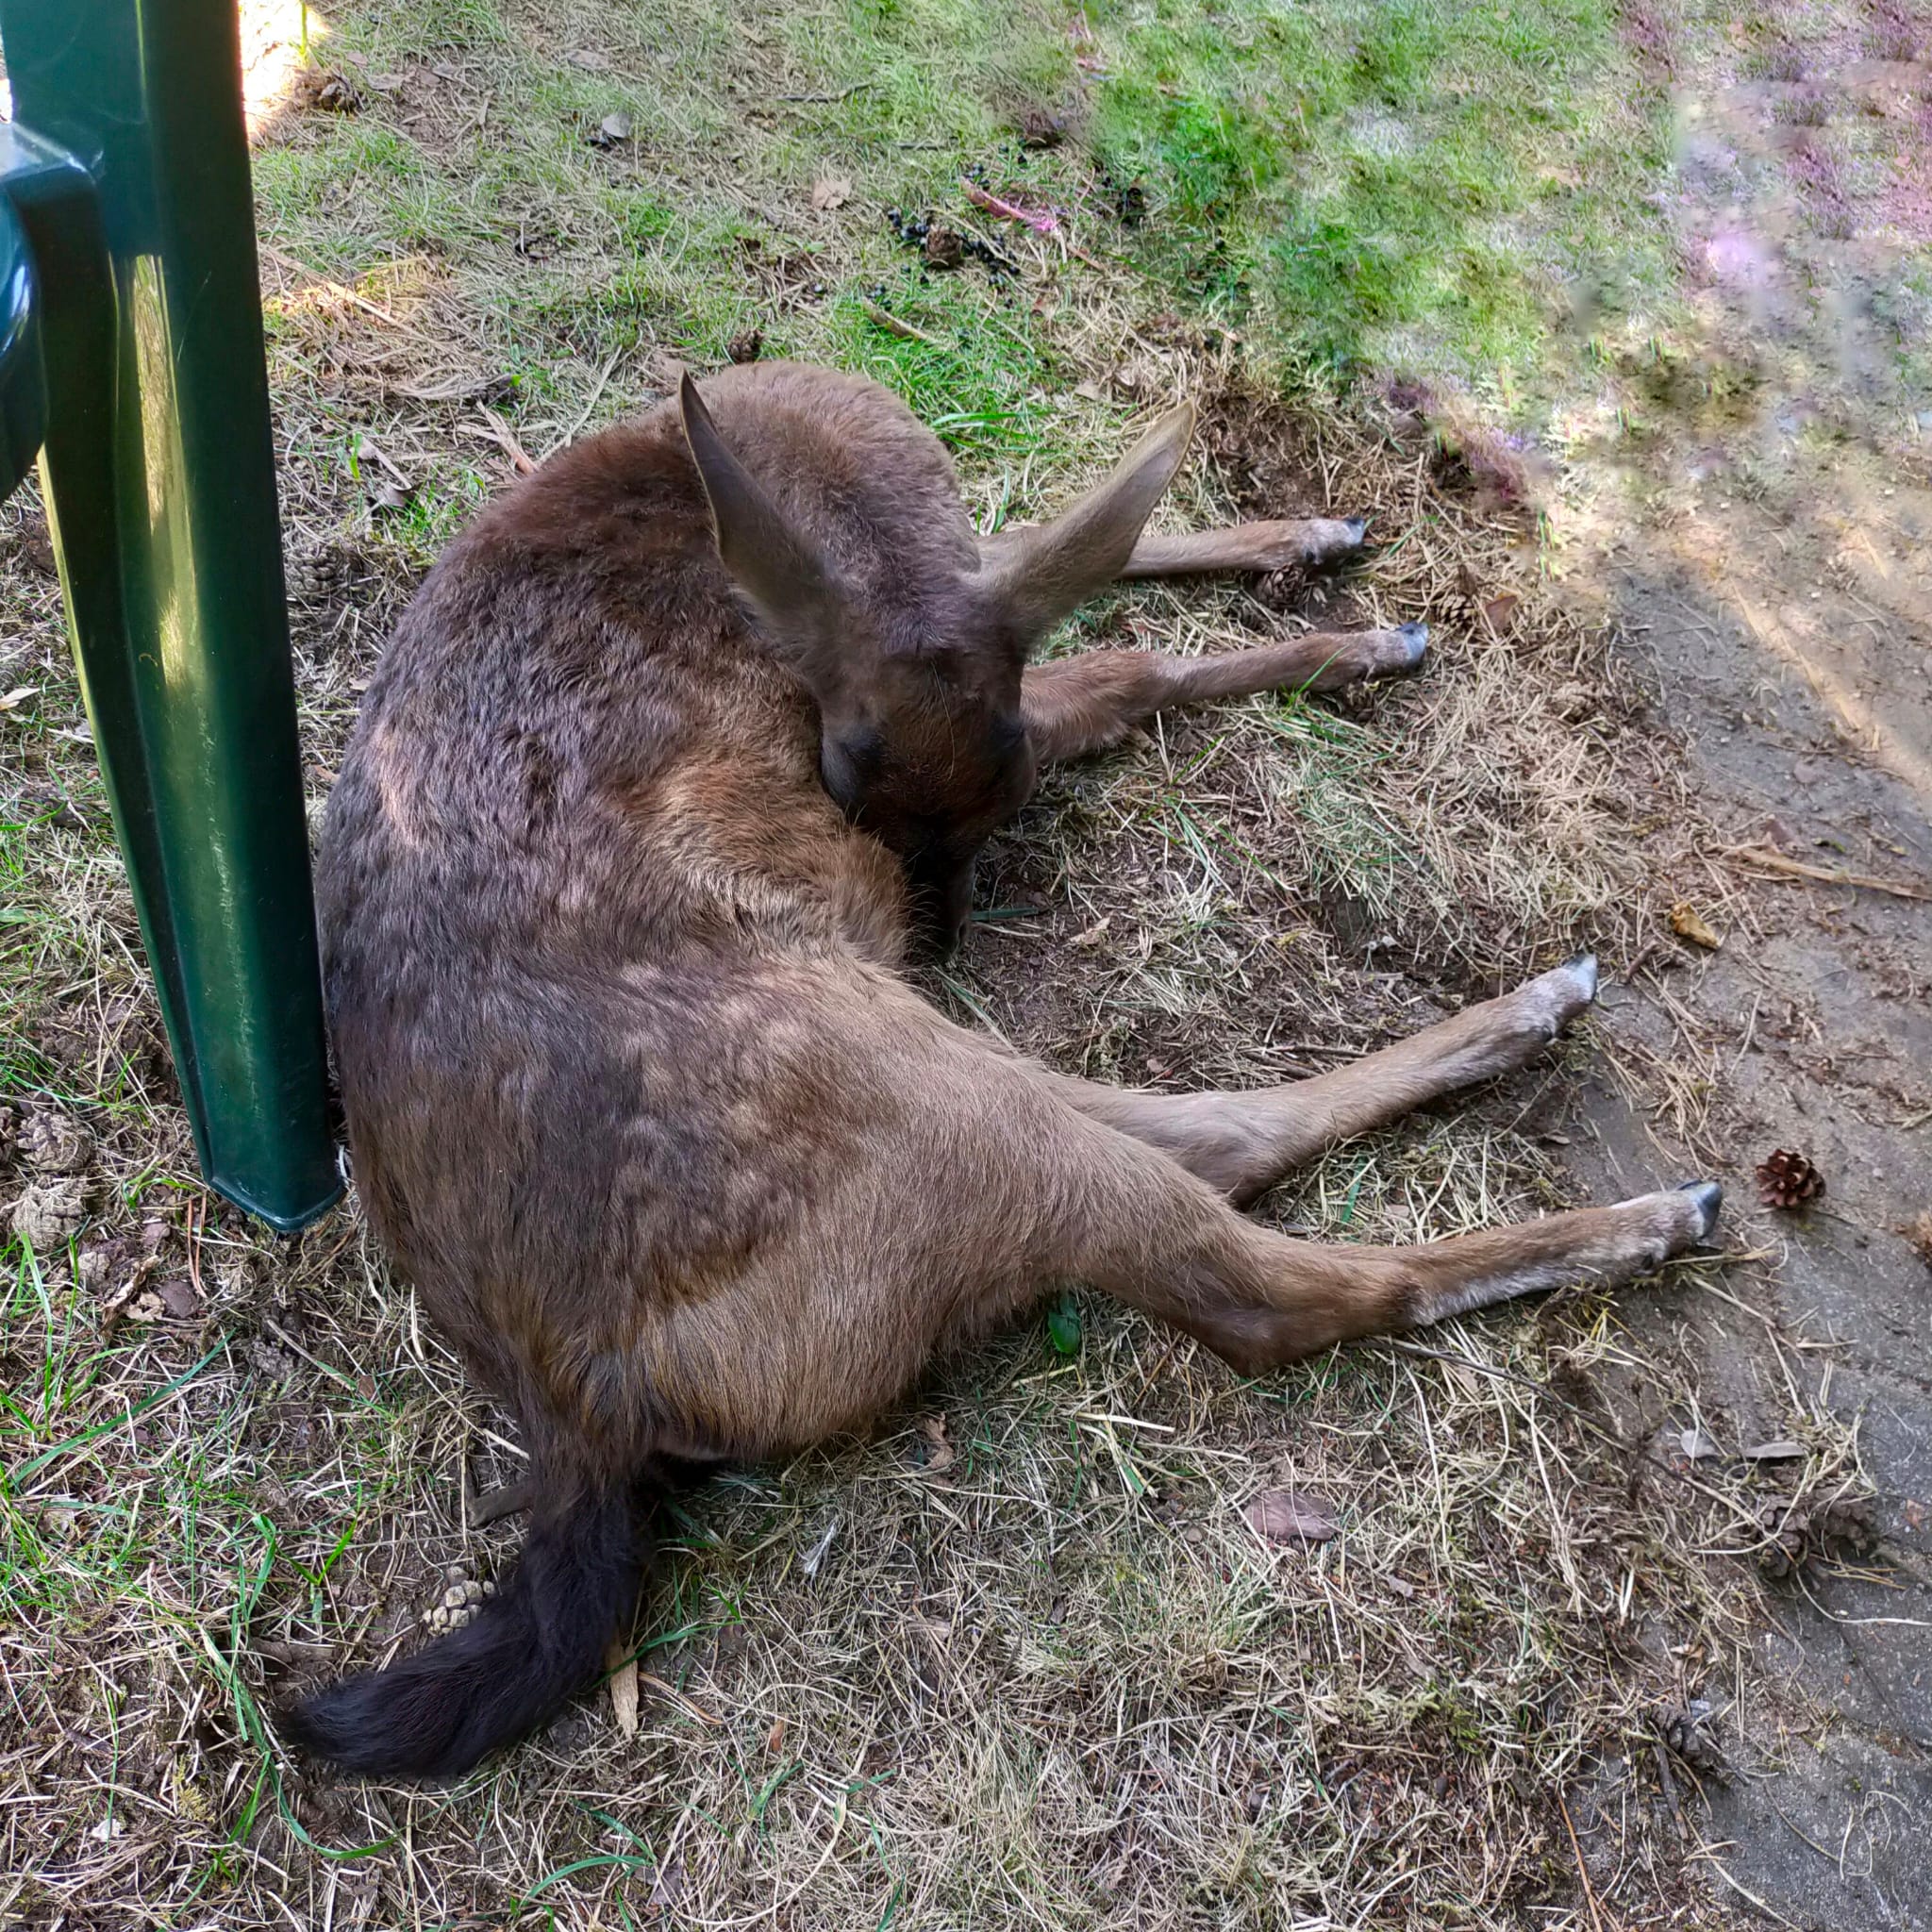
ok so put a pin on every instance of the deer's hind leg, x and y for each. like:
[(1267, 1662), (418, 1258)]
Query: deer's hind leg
[(1279, 545), (1243, 1142), (967, 1185)]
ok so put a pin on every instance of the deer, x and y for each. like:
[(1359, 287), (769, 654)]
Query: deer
[(673, 771)]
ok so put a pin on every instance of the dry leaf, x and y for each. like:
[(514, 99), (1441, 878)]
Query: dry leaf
[(1688, 923), (391, 489), (815, 1556), (1783, 1450), (179, 1297), (623, 1667), (939, 1452), (668, 1886), (590, 59), (1283, 1516), (829, 191), (774, 1738), (1697, 1446), (1499, 612), (17, 696), (613, 129)]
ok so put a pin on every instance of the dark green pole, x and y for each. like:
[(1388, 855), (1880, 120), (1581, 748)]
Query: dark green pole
[(127, 168)]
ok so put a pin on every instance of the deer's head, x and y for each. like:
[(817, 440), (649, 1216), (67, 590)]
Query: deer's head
[(917, 682)]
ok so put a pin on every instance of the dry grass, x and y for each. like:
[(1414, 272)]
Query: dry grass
[(1019, 1659)]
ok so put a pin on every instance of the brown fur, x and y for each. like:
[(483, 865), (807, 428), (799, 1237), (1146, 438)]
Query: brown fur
[(637, 1095)]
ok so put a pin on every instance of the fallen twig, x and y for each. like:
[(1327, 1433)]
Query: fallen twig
[(1029, 217), (1596, 1917), (583, 415), (1824, 874), (494, 429), (844, 93), (897, 325), (494, 1505), (318, 280), (689, 1706)]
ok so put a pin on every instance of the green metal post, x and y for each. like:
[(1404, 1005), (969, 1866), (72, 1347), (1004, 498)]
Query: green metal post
[(127, 168)]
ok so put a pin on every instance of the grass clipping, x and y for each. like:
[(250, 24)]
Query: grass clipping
[(1023, 1657)]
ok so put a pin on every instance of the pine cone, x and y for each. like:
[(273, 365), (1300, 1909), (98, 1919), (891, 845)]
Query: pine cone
[(1787, 1180), (1834, 1527), (945, 249), (1845, 1526), (1690, 1734), (1039, 127), (49, 1212), (1784, 1555), (325, 89), (52, 1143), (745, 345)]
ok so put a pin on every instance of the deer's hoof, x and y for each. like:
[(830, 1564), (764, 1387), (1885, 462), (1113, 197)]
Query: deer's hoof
[(1415, 643), (1583, 970), (1708, 1197), (1357, 529), (1553, 999)]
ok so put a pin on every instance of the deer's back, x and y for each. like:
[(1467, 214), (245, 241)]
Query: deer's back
[(576, 866)]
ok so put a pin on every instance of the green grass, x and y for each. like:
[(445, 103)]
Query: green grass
[(1419, 182), (1426, 187)]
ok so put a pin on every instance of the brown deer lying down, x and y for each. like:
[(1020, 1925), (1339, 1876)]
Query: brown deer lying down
[(679, 748)]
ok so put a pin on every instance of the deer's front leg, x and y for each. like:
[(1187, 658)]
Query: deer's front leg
[(1086, 704)]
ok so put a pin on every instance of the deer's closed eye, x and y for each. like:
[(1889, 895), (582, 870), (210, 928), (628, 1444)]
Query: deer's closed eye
[(847, 765)]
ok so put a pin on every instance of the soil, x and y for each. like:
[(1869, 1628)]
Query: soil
[(1766, 561), (1816, 1014)]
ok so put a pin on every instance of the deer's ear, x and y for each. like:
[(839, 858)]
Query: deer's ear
[(1038, 577), (775, 567)]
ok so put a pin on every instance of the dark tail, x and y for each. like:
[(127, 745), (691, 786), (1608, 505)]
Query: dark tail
[(541, 1638)]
